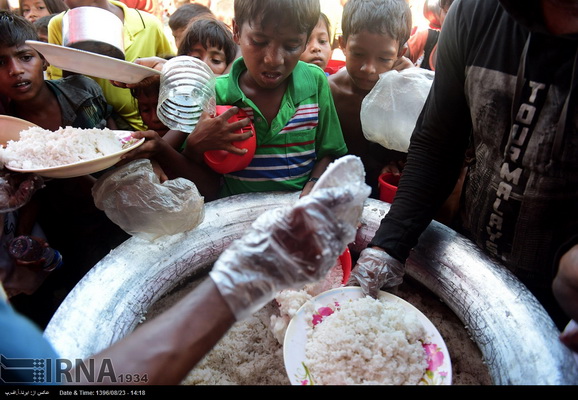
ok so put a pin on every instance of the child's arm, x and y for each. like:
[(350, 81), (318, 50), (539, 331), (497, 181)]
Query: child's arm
[(175, 138), (318, 170), (111, 123)]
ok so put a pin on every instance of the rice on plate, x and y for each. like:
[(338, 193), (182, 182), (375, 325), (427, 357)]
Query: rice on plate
[(367, 341), (343, 337), (41, 148)]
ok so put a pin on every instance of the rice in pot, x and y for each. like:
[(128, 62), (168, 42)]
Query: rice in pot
[(367, 341), (40, 148)]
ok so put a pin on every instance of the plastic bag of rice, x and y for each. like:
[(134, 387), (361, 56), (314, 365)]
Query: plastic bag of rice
[(367, 342), (40, 148)]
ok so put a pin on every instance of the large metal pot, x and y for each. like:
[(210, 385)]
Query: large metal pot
[(93, 29), (517, 338)]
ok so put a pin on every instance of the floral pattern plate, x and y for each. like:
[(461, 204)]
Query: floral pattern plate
[(439, 371)]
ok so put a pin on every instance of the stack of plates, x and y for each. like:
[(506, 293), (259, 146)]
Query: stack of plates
[(187, 89)]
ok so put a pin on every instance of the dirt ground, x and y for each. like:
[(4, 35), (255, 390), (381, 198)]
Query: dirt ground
[(250, 355)]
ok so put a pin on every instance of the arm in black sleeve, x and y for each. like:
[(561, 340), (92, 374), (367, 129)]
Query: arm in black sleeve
[(437, 147)]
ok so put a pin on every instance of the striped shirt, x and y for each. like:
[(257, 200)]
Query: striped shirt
[(305, 129)]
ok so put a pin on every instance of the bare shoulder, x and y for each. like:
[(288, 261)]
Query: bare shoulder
[(340, 85), (338, 80)]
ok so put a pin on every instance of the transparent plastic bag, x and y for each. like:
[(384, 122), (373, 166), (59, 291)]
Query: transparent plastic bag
[(389, 112), (133, 197)]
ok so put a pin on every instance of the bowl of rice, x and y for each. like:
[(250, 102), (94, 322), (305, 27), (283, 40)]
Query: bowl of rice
[(342, 337), (67, 152)]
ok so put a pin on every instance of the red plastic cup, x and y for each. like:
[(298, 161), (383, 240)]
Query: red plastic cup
[(388, 186), (345, 260), (333, 66), (222, 161)]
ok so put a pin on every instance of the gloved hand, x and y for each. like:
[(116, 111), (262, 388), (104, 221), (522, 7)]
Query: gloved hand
[(375, 269), (287, 247)]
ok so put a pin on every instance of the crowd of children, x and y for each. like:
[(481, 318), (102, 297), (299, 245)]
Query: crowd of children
[(271, 62)]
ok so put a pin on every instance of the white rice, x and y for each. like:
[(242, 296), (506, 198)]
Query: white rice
[(367, 341), (290, 301), (40, 148)]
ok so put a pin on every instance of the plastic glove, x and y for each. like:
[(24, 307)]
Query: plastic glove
[(287, 248), (375, 269), (133, 197)]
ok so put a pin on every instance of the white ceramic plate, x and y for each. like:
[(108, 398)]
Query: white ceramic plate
[(92, 64), (81, 168), (439, 370)]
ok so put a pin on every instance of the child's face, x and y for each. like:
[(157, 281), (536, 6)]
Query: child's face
[(270, 53), (318, 50), (42, 35), (147, 107), (212, 56), (367, 55), (21, 73), (178, 35), (34, 9)]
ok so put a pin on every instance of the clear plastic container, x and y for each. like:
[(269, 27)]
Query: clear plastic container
[(26, 248), (187, 88)]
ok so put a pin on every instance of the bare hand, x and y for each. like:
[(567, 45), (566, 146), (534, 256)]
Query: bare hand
[(565, 287), (152, 145), (216, 133), (402, 63), (570, 336), (151, 62), (394, 167)]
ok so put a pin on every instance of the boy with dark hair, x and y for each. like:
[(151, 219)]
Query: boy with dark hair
[(73, 101), (66, 210), (289, 101), (375, 33)]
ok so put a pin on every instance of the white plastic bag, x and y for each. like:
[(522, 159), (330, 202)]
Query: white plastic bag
[(134, 199), (389, 112)]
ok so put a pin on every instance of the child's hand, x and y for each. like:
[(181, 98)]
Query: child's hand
[(402, 63), (158, 170), (394, 167), (216, 133), (24, 279), (151, 62), (152, 145)]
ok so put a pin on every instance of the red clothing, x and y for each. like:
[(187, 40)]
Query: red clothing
[(416, 49)]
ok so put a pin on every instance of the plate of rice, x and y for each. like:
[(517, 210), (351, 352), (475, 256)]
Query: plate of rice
[(342, 337), (67, 152)]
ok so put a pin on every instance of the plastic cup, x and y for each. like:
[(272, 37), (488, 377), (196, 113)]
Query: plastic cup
[(187, 86), (224, 162), (388, 183)]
